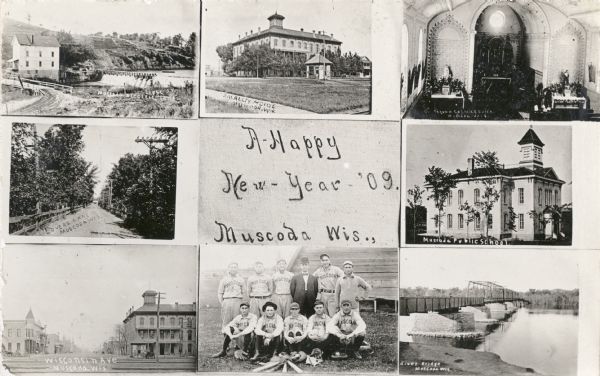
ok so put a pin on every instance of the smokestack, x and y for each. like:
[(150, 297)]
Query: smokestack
[(332, 35), (301, 29), (259, 29), (31, 38), (246, 33), (470, 166), (251, 31), (239, 36)]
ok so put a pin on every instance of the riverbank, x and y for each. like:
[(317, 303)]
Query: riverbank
[(416, 358)]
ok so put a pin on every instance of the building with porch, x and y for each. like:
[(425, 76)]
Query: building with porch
[(24, 337), (160, 329), (319, 67), (35, 56), (529, 190), (296, 45)]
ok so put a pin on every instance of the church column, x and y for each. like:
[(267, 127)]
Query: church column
[(469, 80)]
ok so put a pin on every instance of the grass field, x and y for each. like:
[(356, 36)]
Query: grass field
[(11, 93), (324, 97), (381, 334), (215, 106)]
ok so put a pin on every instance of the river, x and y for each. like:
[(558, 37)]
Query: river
[(175, 78), (545, 340)]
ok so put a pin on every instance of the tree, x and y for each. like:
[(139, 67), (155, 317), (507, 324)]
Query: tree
[(487, 159), (190, 45), (470, 213), (24, 191), (488, 199), (440, 182), (177, 40), (415, 200), (225, 53), (512, 219)]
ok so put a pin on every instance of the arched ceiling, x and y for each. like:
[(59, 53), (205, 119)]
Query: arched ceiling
[(586, 12)]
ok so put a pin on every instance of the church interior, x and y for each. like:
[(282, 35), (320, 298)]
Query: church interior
[(501, 59)]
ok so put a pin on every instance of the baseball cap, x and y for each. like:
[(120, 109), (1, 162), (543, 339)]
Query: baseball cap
[(346, 301), (348, 263), (244, 304), (294, 305), (304, 260)]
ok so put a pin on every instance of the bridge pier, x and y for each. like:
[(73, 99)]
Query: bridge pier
[(500, 311), (449, 329)]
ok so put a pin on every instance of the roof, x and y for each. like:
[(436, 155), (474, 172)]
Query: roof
[(365, 59), (288, 33), (37, 40), (318, 59), (30, 315), (276, 16), (531, 137), (164, 309), (545, 172)]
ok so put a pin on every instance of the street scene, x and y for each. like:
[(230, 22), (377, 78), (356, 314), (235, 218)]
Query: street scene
[(296, 60), (137, 329), (91, 181), (68, 58), (514, 312), (315, 310), (488, 185)]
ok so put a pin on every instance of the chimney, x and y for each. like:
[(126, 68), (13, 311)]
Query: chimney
[(239, 36), (302, 29), (470, 166), (246, 33), (259, 29), (319, 32), (31, 38), (251, 31), (332, 35)]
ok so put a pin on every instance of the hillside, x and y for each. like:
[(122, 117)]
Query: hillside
[(105, 52)]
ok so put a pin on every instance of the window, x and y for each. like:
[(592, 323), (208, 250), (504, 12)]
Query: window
[(172, 321), (521, 195), (521, 221), (151, 321), (40, 53), (142, 334), (477, 222), (461, 221), (556, 200), (476, 195), (539, 196), (26, 63), (26, 53), (9, 332), (162, 321), (172, 335), (189, 322), (490, 222), (181, 321), (450, 198), (18, 332), (10, 346), (18, 346), (305, 46), (152, 334), (275, 42), (53, 64), (52, 53), (189, 348), (283, 42), (526, 152), (449, 220), (189, 333), (460, 197), (142, 320), (292, 44), (537, 153), (505, 221), (162, 334), (541, 222), (312, 47)]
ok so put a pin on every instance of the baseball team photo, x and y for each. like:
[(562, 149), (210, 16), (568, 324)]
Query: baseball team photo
[(294, 309)]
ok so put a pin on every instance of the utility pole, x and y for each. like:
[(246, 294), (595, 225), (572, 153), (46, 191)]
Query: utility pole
[(157, 350)]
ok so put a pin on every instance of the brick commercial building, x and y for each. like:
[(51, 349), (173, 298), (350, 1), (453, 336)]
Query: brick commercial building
[(292, 44), (35, 56), (167, 330)]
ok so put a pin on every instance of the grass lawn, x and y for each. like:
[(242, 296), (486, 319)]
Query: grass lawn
[(11, 93), (381, 334), (324, 97)]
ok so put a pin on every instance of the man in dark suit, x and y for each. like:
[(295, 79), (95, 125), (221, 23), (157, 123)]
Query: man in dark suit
[(304, 288)]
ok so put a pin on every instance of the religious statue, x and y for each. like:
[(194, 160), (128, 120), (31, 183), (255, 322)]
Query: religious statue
[(564, 77), (447, 73)]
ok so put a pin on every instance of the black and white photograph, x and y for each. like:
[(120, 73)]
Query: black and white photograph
[(120, 309), (500, 60), (100, 58), (282, 57), (76, 180), (290, 309), (465, 312), (488, 184)]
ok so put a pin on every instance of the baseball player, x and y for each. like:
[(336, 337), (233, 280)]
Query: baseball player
[(267, 333), (327, 276), (260, 287), (281, 289), (230, 292), (348, 330), (295, 329), (351, 287), (240, 330), (318, 337)]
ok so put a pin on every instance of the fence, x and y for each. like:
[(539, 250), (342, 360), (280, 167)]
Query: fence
[(25, 223), (14, 79)]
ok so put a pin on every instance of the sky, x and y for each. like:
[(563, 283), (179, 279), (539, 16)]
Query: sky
[(515, 269), (104, 145), (167, 17), (348, 20), (449, 145), (84, 291), (215, 257)]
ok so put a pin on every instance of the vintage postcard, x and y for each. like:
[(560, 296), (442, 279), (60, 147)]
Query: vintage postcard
[(130, 308), (512, 312), (316, 310), (488, 184), (87, 58), (501, 60), (92, 181), (278, 57)]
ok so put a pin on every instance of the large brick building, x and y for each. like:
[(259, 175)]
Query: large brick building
[(162, 329), (35, 56), (290, 42), (529, 189), (24, 337)]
